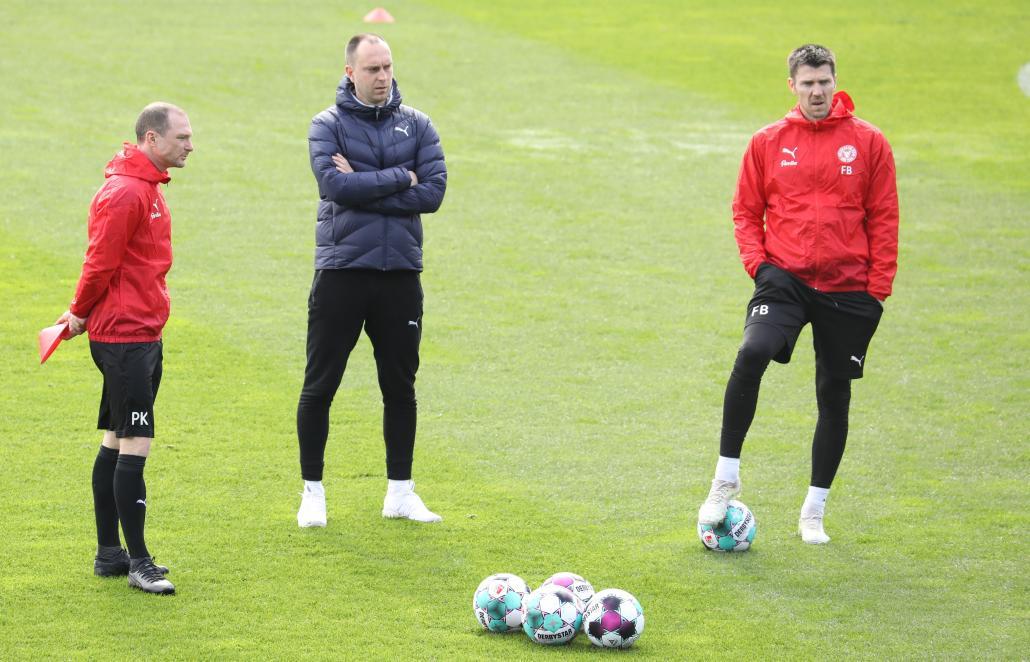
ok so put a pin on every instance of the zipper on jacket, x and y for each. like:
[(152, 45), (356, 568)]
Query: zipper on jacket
[(381, 154), (386, 240), (816, 230)]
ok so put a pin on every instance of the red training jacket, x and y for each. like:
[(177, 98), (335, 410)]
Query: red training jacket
[(820, 200), (122, 289)]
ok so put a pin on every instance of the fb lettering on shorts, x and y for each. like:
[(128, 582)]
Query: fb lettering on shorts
[(760, 310), (140, 418)]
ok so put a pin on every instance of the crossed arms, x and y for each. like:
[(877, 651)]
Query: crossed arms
[(394, 191)]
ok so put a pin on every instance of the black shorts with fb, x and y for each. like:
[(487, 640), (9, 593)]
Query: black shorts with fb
[(843, 323), (132, 375)]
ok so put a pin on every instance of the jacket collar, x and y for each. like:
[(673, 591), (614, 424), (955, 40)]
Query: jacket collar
[(840, 109), (131, 162), (346, 100)]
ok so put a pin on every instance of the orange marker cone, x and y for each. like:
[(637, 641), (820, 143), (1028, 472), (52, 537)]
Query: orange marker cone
[(378, 15)]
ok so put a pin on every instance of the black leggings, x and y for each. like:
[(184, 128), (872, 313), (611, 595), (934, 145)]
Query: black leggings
[(389, 306), (833, 396)]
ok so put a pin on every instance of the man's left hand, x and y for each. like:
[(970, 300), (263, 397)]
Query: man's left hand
[(342, 164), (76, 325)]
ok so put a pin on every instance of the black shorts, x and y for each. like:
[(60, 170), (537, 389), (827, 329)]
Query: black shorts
[(843, 323), (132, 375)]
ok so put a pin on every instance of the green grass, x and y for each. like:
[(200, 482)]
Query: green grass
[(584, 303)]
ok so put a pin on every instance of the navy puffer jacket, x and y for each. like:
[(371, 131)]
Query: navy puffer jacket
[(370, 219)]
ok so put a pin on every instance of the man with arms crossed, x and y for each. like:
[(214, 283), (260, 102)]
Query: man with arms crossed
[(816, 221), (379, 166), (122, 301)]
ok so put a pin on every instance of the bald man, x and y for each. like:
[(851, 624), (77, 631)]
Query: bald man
[(379, 166), (122, 302)]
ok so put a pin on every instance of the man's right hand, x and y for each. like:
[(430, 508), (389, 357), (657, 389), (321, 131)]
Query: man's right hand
[(76, 325), (342, 164), (414, 177)]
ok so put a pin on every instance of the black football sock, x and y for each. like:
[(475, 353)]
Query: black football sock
[(104, 507), (130, 493)]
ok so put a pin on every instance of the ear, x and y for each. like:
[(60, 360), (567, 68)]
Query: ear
[(790, 85), (349, 70)]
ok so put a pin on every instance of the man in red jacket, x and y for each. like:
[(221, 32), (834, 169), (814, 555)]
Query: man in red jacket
[(816, 221), (122, 301)]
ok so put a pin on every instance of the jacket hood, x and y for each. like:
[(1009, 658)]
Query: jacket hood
[(131, 162), (346, 99), (841, 107)]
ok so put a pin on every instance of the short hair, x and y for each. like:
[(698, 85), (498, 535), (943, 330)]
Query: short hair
[(355, 41), (154, 118), (812, 55)]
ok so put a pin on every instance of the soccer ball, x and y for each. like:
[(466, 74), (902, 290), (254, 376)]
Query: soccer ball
[(580, 587), (733, 534), (613, 619), (552, 615), (498, 602)]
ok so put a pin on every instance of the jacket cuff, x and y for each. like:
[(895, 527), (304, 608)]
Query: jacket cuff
[(405, 177)]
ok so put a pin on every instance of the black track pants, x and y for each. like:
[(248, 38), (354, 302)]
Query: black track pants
[(833, 395), (761, 343), (388, 304)]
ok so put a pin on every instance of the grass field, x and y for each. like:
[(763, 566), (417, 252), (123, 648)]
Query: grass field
[(583, 307)]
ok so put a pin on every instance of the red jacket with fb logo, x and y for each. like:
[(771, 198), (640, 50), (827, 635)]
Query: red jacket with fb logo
[(122, 290), (820, 200)]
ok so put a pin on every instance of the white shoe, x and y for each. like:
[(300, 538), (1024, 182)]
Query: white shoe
[(811, 530), (312, 510), (406, 504), (713, 510)]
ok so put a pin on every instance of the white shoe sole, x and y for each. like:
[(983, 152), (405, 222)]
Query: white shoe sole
[(710, 522), (163, 588), (393, 514), (814, 539)]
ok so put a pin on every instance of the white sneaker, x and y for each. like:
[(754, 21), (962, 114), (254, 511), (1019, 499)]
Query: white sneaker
[(407, 504), (312, 510), (713, 510), (811, 529)]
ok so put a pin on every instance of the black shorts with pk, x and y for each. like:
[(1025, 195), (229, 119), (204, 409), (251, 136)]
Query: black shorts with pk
[(132, 375), (843, 323)]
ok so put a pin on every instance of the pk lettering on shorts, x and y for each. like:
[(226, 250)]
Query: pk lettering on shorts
[(139, 418), (760, 310)]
